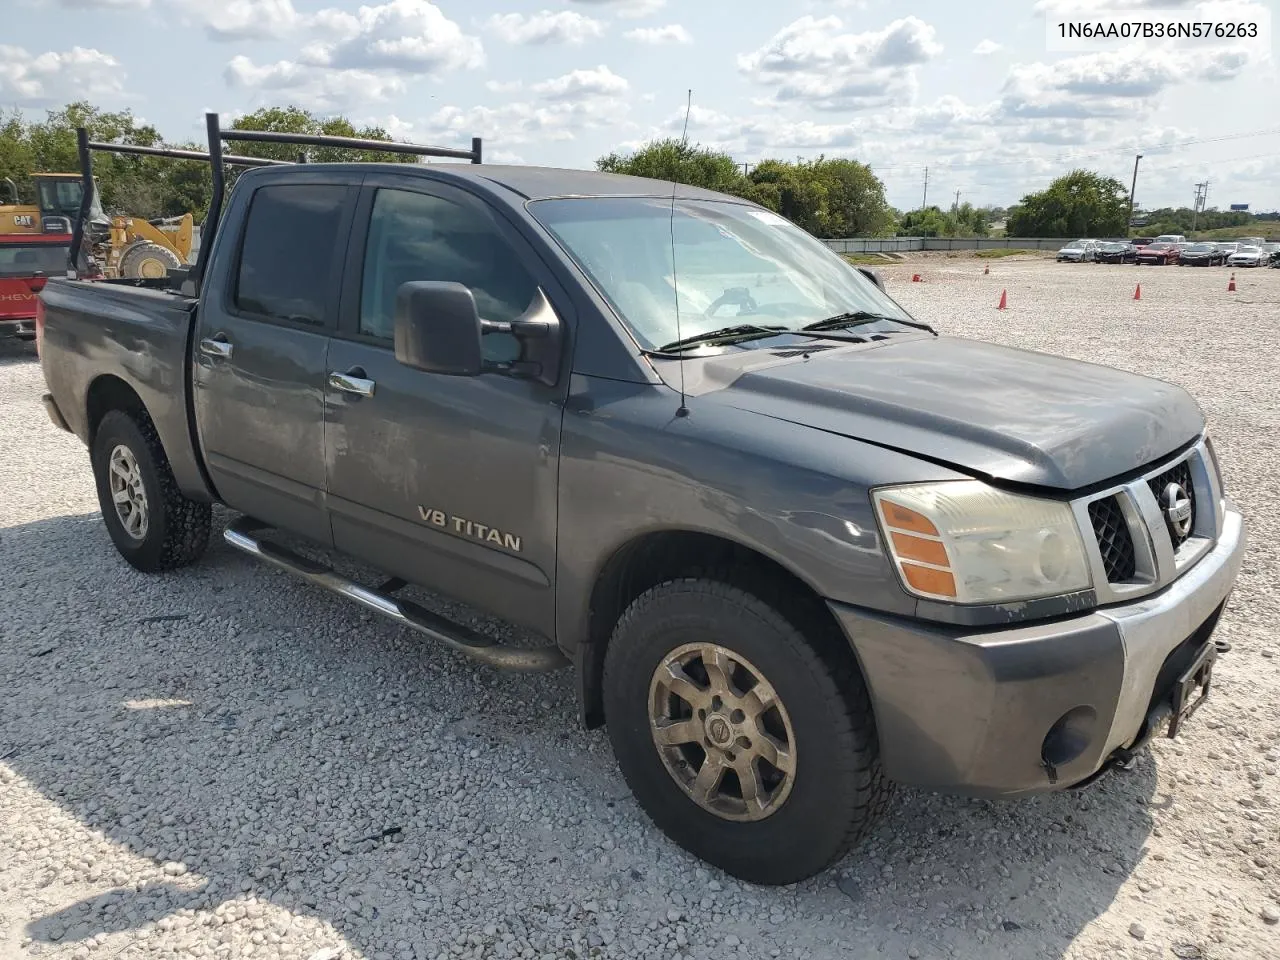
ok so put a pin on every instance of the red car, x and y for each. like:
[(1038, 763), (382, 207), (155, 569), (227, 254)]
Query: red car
[(25, 262), (1160, 254)]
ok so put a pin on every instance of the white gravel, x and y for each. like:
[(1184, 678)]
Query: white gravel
[(225, 763)]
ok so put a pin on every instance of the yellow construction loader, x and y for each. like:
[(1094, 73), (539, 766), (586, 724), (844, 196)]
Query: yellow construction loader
[(123, 246)]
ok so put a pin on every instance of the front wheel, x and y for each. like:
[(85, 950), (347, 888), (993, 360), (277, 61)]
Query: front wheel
[(742, 742), (153, 526)]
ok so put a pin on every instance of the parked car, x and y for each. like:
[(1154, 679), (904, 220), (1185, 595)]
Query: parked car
[(885, 554), (1170, 238), (1201, 255), (26, 261), (1227, 248), (1160, 253), (1273, 253), (1079, 251), (1142, 241), (1116, 253), (1249, 256)]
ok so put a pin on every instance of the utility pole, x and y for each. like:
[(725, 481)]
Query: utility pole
[(924, 201), (1132, 187), (956, 207), (1195, 207)]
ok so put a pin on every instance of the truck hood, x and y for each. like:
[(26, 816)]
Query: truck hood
[(998, 412)]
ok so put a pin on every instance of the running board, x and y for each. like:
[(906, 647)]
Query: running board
[(242, 534)]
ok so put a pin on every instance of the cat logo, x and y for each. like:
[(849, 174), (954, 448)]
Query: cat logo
[(466, 528), (24, 220)]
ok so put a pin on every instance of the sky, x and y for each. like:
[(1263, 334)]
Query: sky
[(974, 93)]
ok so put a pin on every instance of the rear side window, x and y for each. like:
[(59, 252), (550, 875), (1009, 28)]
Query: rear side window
[(288, 251)]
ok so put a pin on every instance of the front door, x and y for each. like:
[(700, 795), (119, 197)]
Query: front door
[(447, 482), (261, 351)]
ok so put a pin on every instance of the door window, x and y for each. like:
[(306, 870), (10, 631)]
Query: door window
[(288, 253), (414, 236)]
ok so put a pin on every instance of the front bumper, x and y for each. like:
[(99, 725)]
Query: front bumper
[(969, 712)]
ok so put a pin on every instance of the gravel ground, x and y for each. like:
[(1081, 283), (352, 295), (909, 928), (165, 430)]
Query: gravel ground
[(225, 763)]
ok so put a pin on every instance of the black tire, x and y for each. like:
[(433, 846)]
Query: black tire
[(177, 531), (831, 802), (144, 259)]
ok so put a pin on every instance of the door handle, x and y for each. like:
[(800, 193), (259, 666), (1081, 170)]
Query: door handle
[(215, 348), (348, 383)]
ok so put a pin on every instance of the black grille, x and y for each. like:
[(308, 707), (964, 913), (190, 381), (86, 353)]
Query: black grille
[(1181, 475), (1114, 540)]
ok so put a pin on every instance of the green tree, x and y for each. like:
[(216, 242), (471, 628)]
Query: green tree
[(681, 162), (1079, 204), (293, 119)]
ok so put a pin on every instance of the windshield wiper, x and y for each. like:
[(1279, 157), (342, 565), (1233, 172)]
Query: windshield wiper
[(856, 318), (741, 331)]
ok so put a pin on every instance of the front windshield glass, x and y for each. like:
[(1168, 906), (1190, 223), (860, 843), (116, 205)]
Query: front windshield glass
[(1200, 248), (733, 264)]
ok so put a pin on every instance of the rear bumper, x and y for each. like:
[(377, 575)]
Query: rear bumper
[(972, 713), (24, 327)]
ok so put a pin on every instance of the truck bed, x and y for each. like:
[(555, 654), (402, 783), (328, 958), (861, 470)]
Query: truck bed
[(101, 338)]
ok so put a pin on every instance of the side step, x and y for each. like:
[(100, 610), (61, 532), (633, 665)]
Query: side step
[(241, 534)]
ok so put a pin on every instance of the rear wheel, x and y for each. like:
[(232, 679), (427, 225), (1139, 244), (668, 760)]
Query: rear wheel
[(147, 260), (153, 526), (742, 741)]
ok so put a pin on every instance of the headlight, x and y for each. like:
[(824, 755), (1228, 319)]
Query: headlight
[(966, 542)]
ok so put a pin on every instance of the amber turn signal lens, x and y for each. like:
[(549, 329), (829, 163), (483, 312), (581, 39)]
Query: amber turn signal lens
[(918, 550), (929, 580), (902, 518)]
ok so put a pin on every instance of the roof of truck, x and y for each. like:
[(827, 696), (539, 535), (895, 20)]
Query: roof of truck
[(536, 183)]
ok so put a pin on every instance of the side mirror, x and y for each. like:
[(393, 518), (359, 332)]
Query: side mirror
[(873, 276), (438, 330)]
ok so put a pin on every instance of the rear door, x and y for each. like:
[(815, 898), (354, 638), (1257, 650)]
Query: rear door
[(447, 482), (268, 310)]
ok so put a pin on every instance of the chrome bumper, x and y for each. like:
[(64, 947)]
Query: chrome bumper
[(1152, 627)]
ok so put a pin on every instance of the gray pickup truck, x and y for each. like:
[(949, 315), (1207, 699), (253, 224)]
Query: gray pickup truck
[(795, 545)]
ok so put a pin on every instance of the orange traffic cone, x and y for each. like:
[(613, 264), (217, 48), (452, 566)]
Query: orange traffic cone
[(986, 270), (1137, 292), (915, 278), (1004, 300), (1231, 287)]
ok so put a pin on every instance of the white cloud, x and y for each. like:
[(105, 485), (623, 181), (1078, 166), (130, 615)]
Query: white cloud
[(498, 86), (564, 106), (49, 78), (672, 33), (628, 9), (811, 61), (1122, 83), (546, 27), (247, 19), (110, 4), (986, 48), (319, 89), (582, 84), (411, 36)]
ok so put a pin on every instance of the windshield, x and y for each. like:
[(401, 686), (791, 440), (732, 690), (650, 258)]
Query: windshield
[(1248, 250), (61, 197), (1113, 247), (1200, 248), (732, 262), (26, 259)]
